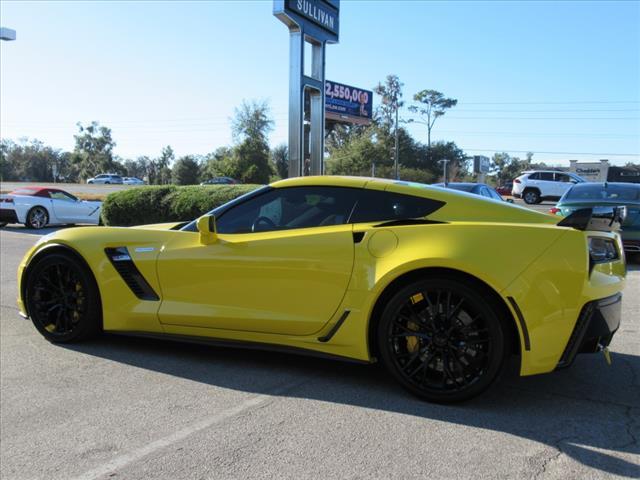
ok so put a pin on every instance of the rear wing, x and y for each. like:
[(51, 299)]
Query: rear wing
[(600, 219)]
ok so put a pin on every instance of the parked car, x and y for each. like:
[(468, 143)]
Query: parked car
[(37, 207), (106, 179), (588, 195), (220, 181), (481, 189), (536, 186), (440, 286), (505, 189), (132, 181)]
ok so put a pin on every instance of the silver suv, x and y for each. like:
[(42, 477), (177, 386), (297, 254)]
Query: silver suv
[(106, 179), (538, 185)]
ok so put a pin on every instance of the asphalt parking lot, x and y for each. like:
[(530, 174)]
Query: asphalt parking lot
[(130, 409)]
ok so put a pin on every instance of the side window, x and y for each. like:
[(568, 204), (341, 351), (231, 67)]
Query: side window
[(289, 208), (562, 177), (377, 205), (62, 196), (548, 176), (534, 176)]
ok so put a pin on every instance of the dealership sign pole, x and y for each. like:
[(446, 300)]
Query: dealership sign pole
[(313, 23)]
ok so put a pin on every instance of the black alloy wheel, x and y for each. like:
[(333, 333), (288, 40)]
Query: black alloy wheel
[(62, 299), (37, 218), (442, 340)]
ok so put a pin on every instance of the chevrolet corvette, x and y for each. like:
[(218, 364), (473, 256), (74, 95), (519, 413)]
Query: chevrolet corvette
[(440, 286), (38, 207)]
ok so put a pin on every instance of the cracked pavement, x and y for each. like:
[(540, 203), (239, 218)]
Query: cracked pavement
[(129, 408)]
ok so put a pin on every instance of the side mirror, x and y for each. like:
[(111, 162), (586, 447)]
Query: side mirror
[(207, 228)]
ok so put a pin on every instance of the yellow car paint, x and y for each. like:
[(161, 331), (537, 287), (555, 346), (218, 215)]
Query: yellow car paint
[(290, 287)]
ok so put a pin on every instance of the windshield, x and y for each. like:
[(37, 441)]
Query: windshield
[(24, 191), (600, 192)]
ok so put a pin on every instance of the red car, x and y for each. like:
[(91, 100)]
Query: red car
[(505, 189)]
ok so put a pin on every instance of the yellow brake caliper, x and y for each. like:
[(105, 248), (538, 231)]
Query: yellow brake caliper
[(414, 342)]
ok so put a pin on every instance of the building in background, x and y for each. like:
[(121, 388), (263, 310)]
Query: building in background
[(602, 171), (590, 171)]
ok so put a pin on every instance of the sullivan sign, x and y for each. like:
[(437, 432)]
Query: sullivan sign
[(320, 12)]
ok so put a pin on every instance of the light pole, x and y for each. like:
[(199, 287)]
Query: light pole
[(395, 156), (7, 34), (444, 162)]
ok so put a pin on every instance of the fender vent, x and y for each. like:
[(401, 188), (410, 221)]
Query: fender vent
[(122, 262)]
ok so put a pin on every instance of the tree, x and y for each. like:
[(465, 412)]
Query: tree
[(391, 93), (93, 153), (31, 160), (216, 164), (250, 160), (186, 171), (163, 163), (252, 120), (431, 105), (506, 168), (280, 156)]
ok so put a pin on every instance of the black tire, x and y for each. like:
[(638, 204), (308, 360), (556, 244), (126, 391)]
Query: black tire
[(62, 299), (3, 224), (531, 196), (107, 183), (37, 218), (446, 360)]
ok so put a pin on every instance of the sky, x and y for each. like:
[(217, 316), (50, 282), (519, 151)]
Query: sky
[(560, 79)]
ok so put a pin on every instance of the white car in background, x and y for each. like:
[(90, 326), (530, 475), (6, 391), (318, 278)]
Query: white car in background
[(106, 179), (132, 181), (538, 185), (37, 207)]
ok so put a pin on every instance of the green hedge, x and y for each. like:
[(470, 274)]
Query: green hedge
[(159, 204)]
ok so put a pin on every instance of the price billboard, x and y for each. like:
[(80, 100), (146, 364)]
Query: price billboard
[(344, 103)]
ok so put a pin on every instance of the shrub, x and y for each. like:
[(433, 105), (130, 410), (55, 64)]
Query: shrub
[(159, 204)]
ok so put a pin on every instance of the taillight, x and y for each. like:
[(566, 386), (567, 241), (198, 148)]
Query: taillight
[(516, 181), (554, 210)]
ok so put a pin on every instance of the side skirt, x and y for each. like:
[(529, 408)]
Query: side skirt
[(216, 342)]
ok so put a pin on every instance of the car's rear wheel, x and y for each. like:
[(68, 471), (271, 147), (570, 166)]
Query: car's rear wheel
[(62, 299), (442, 340), (37, 218), (531, 197)]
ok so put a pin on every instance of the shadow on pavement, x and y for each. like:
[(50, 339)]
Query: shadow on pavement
[(580, 411)]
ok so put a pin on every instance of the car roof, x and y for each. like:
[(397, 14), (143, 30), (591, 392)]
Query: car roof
[(545, 171), (607, 184), (462, 184)]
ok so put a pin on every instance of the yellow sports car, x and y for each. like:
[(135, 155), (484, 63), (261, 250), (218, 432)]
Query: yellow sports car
[(439, 285)]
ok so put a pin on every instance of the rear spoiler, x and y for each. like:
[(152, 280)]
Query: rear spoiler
[(601, 219)]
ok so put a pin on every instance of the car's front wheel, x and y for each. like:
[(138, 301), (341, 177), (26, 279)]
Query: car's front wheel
[(37, 218), (442, 340), (62, 299)]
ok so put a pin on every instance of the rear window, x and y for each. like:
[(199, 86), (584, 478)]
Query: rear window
[(462, 188), (599, 192), (377, 205)]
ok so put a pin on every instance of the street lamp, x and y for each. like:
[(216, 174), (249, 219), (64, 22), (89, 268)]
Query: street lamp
[(444, 162), (7, 34)]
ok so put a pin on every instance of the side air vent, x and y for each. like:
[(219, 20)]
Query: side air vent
[(122, 262)]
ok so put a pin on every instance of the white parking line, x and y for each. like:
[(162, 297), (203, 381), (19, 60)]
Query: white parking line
[(137, 454)]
